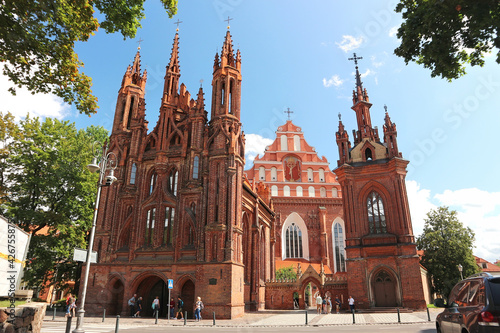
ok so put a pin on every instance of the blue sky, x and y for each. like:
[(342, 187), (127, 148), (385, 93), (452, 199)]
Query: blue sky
[(295, 55)]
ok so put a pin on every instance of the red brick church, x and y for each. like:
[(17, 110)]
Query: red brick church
[(183, 207)]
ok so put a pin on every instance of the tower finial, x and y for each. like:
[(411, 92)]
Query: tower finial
[(340, 117), (288, 111), (201, 83), (358, 76), (139, 41), (385, 108), (178, 22), (228, 19)]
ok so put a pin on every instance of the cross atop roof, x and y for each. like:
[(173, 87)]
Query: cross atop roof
[(139, 41), (355, 58), (178, 22), (289, 112), (228, 19)]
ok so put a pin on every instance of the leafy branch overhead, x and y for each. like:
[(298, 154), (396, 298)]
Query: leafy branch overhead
[(37, 40), (447, 35)]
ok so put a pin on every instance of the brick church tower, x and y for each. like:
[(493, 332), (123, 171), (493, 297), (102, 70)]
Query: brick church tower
[(180, 208), (382, 262)]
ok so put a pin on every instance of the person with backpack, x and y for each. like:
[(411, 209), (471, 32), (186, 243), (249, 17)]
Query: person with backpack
[(156, 306), (198, 307), (180, 305)]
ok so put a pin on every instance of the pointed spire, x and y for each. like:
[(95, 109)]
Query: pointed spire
[(227, 54), (216, 61), (200, 100), (173, 65)]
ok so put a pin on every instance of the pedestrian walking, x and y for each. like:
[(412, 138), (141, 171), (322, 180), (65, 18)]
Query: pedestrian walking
[(138, 307), (328, 305), (172, 307), (324, 305), (156, 305), (180, 306), (351, 303), (319, 303), (72, 306), (68, 303), (338, 303), (131, 305), (198, 306)]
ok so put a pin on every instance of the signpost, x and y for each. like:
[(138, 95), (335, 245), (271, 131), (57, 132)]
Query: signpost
[(81, 255), (170, 287)]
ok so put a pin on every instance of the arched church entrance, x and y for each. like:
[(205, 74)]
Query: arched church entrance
[(187, 296), (116, 289), (384, 288), (148, 289), (310, 290)]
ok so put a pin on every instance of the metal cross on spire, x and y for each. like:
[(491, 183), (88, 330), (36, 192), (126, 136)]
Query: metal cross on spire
[(139, 41), (355, 58), (178, 22), (201, 83), (358, 76), (385, 108), (228, 19), (289, 112)]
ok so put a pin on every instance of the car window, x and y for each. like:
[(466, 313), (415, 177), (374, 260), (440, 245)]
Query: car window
[(456, 293), (495, 290), (463, 295), (473, 294)]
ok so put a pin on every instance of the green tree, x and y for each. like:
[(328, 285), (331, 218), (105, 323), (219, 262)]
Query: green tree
[(51, 195), (9, 131), (445, 36), (37, 40), (446, 244), (286, 273)]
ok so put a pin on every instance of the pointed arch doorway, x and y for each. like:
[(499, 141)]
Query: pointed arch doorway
[(384, 288), (187, 296)]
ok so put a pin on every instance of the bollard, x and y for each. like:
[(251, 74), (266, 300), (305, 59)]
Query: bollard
[(428, 315), (306, 318), (399, 317), (185, 317), (117, 323), (54, 313), (156, 316), (353, 318), (103, 315), (68, 325), (214, 317)]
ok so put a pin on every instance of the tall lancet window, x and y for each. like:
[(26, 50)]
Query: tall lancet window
[(168, 226), (150, 226), (133, 173), (376, 214), (339, 249), (196, 166), (172, 182), (293, 242)]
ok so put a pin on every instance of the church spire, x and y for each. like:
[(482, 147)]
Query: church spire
[(173, 72), (390, 134)]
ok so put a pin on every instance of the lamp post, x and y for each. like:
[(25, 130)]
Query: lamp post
[(107, 162), (460, 269)]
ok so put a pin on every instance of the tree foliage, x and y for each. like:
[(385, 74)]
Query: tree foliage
[(445, 36), (288, 273), (51, 194), (37, 40), (446, 244)]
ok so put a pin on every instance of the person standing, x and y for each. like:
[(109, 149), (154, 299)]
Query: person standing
[(319, 303), (68, 303), (338, 303), (197, 310), (328, 305), (138, 307), (156, 306), (172, 307), (180, 305), (351, 303), (72, 306), (131, 305)]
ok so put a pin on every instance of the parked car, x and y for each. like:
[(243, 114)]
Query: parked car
[(473, 306)]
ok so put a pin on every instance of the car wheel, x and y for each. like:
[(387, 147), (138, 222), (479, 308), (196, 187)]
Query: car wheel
[(438, 328)]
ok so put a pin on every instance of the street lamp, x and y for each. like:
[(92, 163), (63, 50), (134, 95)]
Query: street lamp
[(460, 269), (108, 161)]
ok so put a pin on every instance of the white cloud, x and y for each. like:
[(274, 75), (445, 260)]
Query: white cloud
[(477, 209), (368, 72), (37, 105), (375, 63), (393, 31), (333, 81), (255, 145), (349, 43)]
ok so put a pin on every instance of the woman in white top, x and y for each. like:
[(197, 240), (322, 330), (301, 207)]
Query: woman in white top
[(198, 307)]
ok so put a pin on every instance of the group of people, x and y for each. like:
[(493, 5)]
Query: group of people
[(324, 305), (70, 305), (135, 305)]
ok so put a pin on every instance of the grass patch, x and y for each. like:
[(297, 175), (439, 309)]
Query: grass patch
[(431, 306), (6, 303)]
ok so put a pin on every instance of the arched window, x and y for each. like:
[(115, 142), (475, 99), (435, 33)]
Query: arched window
[(196, 166), (286, 191), (335, 192), (298, 191), (274, 190), (262, 173), (133, 171), (296, 143), (152, 183), (293, 242), (310, 176), (322, 192), (376, 215), (150, 226), (190, 235), (321, 175), (172, 182), (274, 174), (339, 247), (311, 191), (284, 143), (368, 154), (168, 227)]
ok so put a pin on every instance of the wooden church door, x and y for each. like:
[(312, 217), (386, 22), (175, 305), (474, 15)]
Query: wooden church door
[(385, 290)]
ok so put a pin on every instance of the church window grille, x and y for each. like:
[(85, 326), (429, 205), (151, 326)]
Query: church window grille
[(274, 190), (286, 191), (284, 143), (274, 174), (298, 190), (339, 248), (133, 173), (296, 143), (168, 227), (172, 182), (322, 192), (152, 183), (376, 214), (322, 175), (293, 241), (150, 226), (196, 165), (262, 173), (312, 191)]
